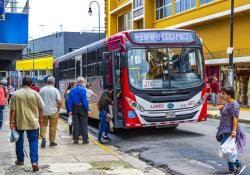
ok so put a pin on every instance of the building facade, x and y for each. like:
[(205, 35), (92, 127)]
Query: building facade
[(39, 54), (209, 18), (13, 34)]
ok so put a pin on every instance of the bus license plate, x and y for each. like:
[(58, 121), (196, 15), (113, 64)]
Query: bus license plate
[(170, 115)]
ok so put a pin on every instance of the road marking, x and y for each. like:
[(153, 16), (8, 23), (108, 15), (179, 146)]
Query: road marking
[(93, 140), (201, 164)]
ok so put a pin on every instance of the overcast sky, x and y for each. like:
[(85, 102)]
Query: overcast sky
[(71, 14)]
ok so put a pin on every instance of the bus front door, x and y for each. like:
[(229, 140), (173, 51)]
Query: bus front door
[(112, 78)]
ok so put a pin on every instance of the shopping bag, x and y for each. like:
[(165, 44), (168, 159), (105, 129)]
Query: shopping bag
[(111, 124), (14, 136), (70, 120), (228, 150)]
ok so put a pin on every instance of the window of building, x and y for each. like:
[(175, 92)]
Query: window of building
[(163, 8), (125, 22), (184, 5), (138, 3), (202, 2), (129, 20)]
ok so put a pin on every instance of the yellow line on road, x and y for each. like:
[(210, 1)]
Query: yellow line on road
[(91, 138)]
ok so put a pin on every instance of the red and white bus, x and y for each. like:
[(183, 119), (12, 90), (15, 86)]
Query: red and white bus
[(157, 76)]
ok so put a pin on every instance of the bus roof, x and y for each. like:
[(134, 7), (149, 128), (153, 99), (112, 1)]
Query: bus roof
[(80, 50), (115, 37)]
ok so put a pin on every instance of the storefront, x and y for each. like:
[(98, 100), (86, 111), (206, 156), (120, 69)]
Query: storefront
[(218, 69)]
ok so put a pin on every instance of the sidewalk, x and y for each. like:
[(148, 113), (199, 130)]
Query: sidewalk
[(68, 158), (213, 112)]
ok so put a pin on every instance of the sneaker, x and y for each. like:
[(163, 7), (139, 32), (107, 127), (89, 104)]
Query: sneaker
[(85, 142), (101, 142), (239, 170), (76, 141), (53, 144), (35, 167), (106, 138), (43, 144), (19, 163)]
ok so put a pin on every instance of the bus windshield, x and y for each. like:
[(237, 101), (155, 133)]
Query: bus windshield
[(165, 68)]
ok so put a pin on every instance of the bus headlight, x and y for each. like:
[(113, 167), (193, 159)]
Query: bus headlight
[(135, 105), (200, 102)]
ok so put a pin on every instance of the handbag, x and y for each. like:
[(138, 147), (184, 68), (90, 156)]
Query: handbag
[(14, 136), (219, 138), (228, 150)]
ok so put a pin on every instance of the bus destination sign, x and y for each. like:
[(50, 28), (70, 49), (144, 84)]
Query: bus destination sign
[(161, 37)]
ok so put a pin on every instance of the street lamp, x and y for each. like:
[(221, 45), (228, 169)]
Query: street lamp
[(230, 49), (90, 13)]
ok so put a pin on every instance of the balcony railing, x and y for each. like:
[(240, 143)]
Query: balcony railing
[(138, 12), (223, 54)]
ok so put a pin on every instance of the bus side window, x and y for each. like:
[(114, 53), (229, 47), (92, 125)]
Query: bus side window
[(84, 65)]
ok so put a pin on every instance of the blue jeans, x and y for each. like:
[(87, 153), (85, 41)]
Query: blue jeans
[(214, 98), (33, 144), (104, 126), (231, 165), (1, 116)]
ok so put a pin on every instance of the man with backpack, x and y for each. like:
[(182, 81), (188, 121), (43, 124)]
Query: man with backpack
[(3, 100)]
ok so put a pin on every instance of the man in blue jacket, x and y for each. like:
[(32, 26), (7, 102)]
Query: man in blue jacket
[(79, 109)]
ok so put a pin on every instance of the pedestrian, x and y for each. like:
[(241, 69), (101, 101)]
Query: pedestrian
[(104, 116), (89, 91), (52, 99), (3, 101), (229, 126), (79, 109), (11, 92), (25, 115), (214, 89), (66, 97), (34, 87)]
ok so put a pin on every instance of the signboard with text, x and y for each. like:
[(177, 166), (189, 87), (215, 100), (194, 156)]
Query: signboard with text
[(14, 29), (164, 36), (2, 10)]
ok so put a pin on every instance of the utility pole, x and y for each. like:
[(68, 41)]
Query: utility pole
[(230, 49), (61, 27), (43, 25)]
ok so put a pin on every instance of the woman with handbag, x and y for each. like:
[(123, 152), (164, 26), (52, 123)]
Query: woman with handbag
[(229, 126)]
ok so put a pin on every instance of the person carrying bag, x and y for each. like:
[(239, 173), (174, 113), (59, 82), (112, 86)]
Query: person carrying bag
[(229, 133)]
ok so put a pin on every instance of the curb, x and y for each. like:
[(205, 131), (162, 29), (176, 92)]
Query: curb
[(217, 117), (134, 162)]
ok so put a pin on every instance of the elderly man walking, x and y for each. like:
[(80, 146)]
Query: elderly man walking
[(25, 114), (52, 99), (79, 108)]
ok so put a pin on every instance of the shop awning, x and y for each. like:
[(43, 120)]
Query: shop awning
[(225, 61), (35, 64)]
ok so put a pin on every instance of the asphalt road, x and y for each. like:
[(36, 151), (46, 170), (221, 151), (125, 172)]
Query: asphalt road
[(191, 149)]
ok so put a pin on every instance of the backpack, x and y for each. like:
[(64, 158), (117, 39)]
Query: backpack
[(4, 90)]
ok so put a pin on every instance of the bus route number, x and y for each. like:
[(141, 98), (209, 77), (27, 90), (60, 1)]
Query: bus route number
[(149, 84)]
